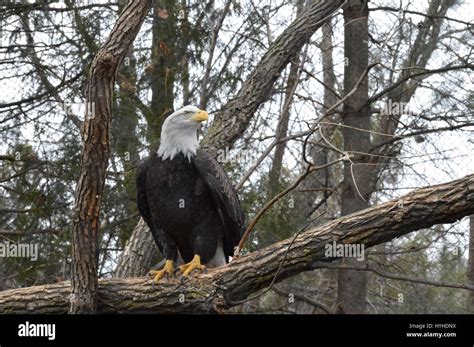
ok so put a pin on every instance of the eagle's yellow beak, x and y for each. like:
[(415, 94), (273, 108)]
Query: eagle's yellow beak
[(200, 116)]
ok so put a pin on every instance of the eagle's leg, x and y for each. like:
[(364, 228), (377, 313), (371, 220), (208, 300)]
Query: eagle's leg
[(194, 264), (167, 270)]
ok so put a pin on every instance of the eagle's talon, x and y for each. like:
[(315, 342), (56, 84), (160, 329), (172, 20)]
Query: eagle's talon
[(167, 270), (194, 264)]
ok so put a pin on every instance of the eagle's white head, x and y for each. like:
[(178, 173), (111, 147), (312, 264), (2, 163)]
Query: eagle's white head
[(179, 133)]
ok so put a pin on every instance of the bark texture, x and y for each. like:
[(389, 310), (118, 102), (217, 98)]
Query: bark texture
[(95, 154), (221, 288), (470, 263), (140, 253), (357, 184), (163, 68)]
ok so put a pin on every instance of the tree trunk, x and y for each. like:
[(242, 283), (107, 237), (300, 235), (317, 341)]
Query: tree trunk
[(140, 253), (281, 131), (223, 287), (321, 155), (125, 143), (95, 154), (162, 69), (233, 119), (327, 178), (352, 285), (282, 126), (470, 264)]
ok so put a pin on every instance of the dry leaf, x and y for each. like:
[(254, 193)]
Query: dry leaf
[(162, 13), (164, 48)]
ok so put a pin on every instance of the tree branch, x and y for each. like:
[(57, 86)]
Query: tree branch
[(397, 277), (418, 74), (216, 290), (304, 298), (235, 116), (95, 154)]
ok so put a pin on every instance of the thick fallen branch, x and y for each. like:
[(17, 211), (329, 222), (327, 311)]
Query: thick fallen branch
[(222, 287)]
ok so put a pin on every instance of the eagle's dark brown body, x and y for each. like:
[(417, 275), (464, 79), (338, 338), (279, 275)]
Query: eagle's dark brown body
[(190, 206)]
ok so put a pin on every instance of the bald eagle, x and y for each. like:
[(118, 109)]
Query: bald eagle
[(186, 199)]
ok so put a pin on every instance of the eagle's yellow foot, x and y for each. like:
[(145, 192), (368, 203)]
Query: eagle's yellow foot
[(194, 264), (167, 270)]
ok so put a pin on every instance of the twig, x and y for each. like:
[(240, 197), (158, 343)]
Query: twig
[(397, 277), (280, 266), (305, 133), (277, 197), (265, 153), (215, 33), (421, 73), (304, 298)]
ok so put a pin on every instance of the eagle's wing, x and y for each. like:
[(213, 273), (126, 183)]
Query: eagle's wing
[(225, 198), (142, 201)]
